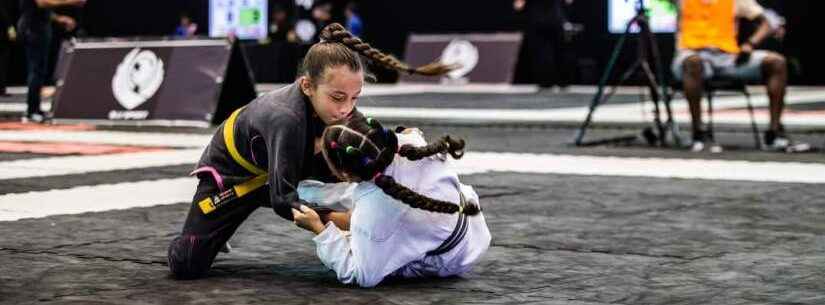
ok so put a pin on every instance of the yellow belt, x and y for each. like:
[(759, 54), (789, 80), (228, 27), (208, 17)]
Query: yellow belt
[(211, 203)]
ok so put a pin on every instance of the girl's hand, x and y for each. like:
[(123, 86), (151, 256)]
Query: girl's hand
[(340, 219), (308, 219)]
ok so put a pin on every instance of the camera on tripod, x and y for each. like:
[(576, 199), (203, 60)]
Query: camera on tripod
[(640, 5)]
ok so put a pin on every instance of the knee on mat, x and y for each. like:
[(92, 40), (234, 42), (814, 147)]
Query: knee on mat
[(184, 261)]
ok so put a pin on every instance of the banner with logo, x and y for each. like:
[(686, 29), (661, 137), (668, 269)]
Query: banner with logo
[(180, 82), (484, 58)]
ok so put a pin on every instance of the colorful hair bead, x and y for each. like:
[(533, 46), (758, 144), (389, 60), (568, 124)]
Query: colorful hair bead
[(351, 150)]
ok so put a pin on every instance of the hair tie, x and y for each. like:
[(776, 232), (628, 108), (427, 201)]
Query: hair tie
[(333, 145), (378, 174), (351, 150)]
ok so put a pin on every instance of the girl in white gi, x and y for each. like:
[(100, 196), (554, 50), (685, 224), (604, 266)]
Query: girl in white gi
[(411, 217)]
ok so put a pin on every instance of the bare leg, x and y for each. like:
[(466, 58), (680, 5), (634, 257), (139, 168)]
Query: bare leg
[(776, 78), (693, 84)]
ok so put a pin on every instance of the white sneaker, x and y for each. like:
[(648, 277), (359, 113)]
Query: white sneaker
[(779, 144), (785, 145), (34, 118), (778, 141), (697, 146), (712, 147)]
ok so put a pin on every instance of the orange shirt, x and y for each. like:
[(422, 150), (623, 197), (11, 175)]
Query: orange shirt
[(708, 24)]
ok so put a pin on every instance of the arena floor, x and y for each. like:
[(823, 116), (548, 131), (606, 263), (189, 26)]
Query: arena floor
[(611, 224)]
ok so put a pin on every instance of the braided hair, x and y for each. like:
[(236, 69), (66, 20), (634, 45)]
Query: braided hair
[(339, 47), (446, 144), (364, 149)]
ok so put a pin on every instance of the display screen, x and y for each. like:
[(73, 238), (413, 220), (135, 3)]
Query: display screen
[(663, 15), (245, 18)]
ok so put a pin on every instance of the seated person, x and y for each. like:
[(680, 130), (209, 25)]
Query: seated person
[(410, 215), (707, 47)]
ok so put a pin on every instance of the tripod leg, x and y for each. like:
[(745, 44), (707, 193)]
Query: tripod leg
[(756, 138), (714, 148), (600, 91), (671, 123), (710, 115), (656, 59), (654, 94), (625, 76)]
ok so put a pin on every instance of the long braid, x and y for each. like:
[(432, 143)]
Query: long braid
[(446, 144), (335, 32), (416, 200)]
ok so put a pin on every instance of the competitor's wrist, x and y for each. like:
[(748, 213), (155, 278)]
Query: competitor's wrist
[(318, 227)]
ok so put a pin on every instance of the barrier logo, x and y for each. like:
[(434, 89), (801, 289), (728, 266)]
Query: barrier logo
[(460, 52), (138, 78)]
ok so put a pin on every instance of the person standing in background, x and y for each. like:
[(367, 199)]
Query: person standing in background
[(354, 23), (36, 34), (7, 36), (540, 59), (322, 16), (280, 25), (186, 28)]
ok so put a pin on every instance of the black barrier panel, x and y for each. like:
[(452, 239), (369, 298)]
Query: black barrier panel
[(484, 58), (238, 87), (178, 82)]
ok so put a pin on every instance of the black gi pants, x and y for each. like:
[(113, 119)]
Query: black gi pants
[(191, 254)]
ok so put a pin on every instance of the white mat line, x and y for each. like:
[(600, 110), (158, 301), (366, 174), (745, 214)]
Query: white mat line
[(614, 113), (412, 88), (96, 198), (110, 137), (21, 107), (787, 172), (471, 88), (166, 191), (608, 113), (53, 166), (474, 162)]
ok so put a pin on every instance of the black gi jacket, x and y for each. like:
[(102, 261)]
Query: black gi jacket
[(276, 132)]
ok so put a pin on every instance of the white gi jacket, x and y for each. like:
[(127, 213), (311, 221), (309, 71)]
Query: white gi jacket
[(389, 238)]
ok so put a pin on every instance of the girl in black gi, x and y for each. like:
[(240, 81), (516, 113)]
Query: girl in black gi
[(258, 156)]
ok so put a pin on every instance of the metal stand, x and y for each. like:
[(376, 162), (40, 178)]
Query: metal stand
[(648, 53)]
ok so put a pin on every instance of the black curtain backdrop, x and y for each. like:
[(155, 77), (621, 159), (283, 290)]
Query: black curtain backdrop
[(388, 23)]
